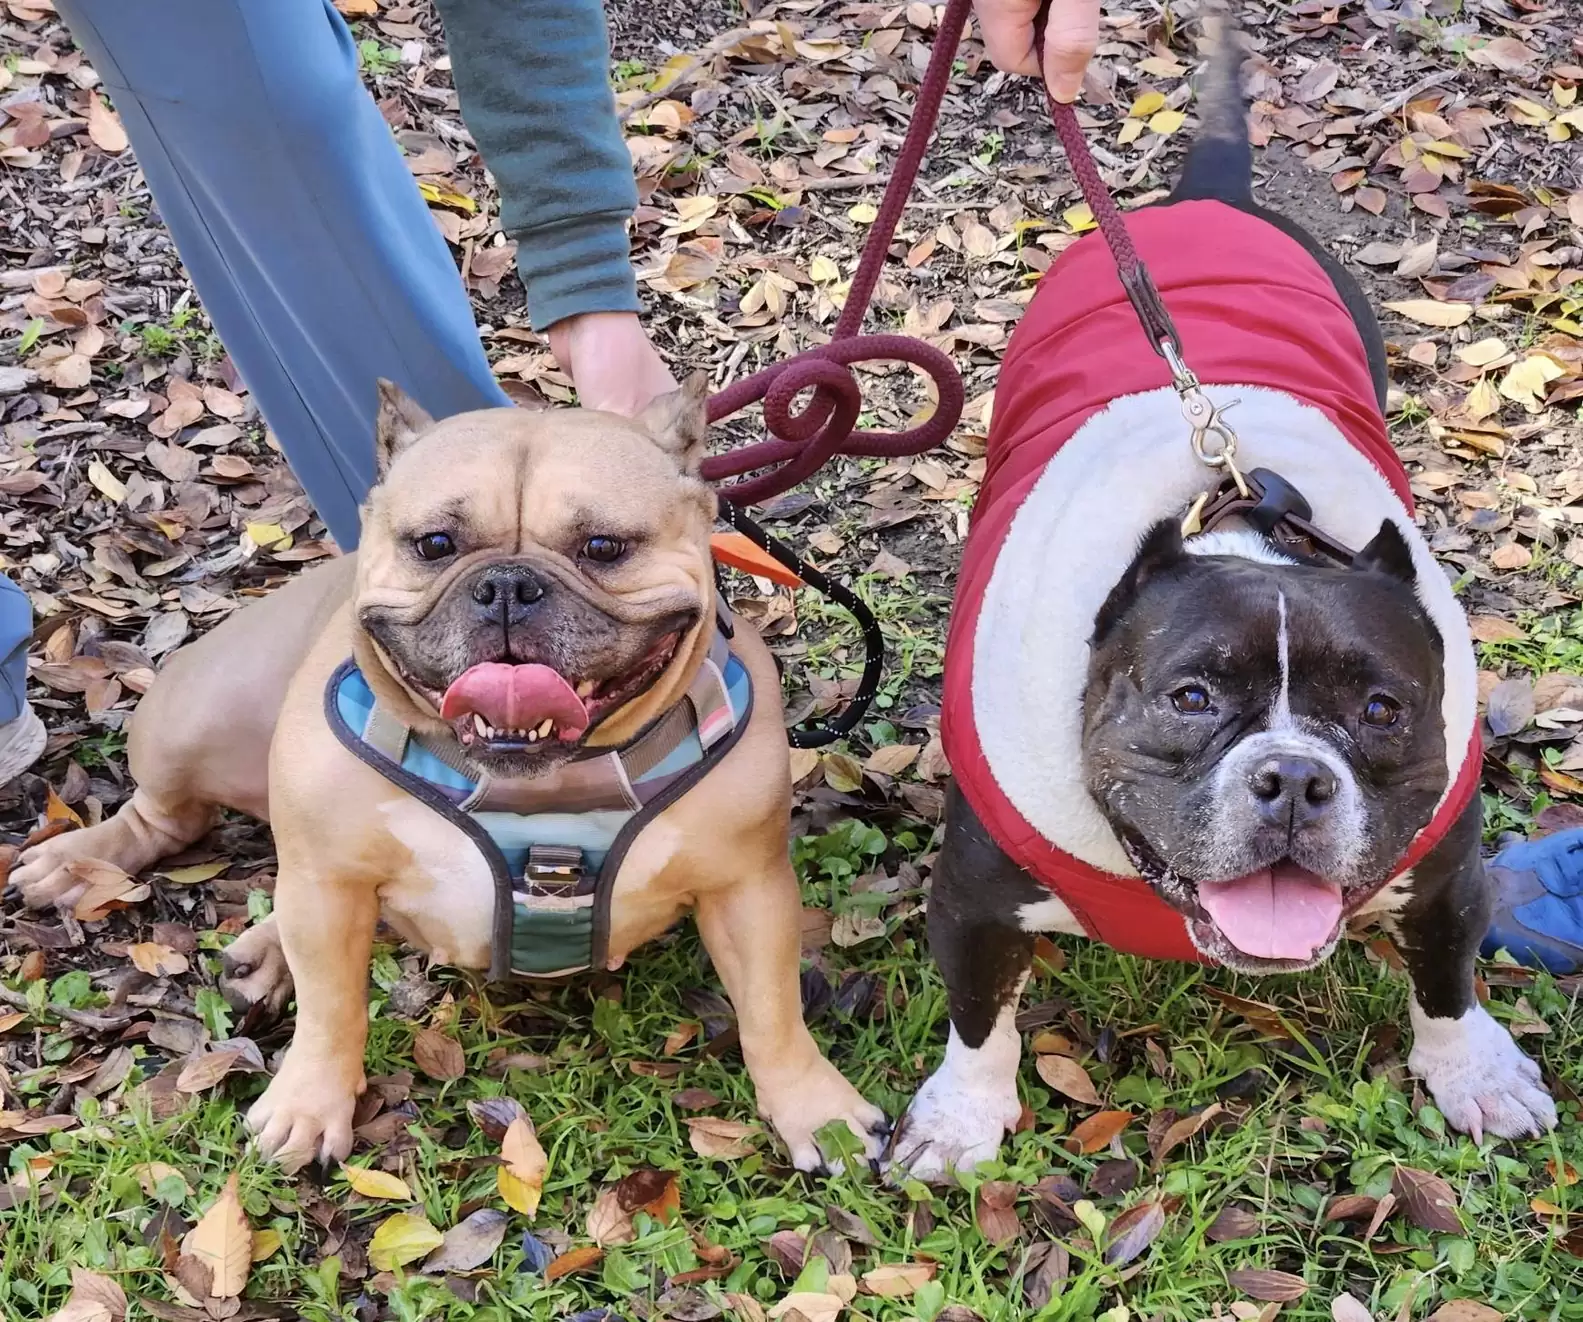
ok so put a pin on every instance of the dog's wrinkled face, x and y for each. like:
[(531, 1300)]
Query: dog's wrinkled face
[(1265, 738), (537, 580)]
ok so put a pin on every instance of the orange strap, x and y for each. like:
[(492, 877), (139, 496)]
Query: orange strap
[(735, 550)]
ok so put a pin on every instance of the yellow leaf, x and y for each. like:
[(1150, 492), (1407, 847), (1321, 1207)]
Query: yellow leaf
[(1147, 104), (376, 1184), (670, 71), (1482, 401), (1447, 149), (1079, 219), (196, 872), (1130, 129), (520, 1175), (401, 1239), (1429, 312), (223, 1241), (266, 1243), (865, 213), (1481, 353), (1167, 121), (445, 198), (1525, 382), (156, 960), (822, 270), (267, 535), (1530, 112), (106, 481), (56, 809)]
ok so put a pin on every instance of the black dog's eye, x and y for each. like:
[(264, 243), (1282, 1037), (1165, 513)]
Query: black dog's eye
[(604, 549), (1381, 712), (435, 546), (1191, 700)]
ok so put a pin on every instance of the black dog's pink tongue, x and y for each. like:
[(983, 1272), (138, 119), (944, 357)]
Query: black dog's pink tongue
[(1284, 912), (516, 698)]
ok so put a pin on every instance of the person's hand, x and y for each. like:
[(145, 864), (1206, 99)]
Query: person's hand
[(611, 361), (1070, 35)]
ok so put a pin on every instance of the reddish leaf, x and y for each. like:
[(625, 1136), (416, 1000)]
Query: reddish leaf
[(995, 1211), (1351, 1207), (1183, 1130), (1427, 1200), (1270, 1286), (573, 1260), (1097, 1131), (1133, 1231), (438, 1056), (1233, 1223)]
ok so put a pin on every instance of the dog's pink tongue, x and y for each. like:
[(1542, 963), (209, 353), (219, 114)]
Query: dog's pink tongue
[(516, 698), (1282, 913)]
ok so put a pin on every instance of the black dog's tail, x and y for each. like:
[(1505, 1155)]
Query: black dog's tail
[(1219, 164)]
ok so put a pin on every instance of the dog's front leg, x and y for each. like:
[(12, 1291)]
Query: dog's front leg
[(752, 930), (983, 911), (1481, 1080), (326, 927)]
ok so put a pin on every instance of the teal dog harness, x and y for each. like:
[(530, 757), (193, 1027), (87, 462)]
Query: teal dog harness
[(554, 843)]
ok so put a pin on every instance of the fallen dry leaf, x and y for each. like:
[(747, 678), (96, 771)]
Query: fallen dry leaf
[(609, 1223), (400, 1239), (1428, 312), (373, 1183), (1427, 1200), (1066, 1076), (573, 1260), (104, 126), (437, 1055), (469, 1244), (523, 1165), (221, 1244), (156, 960), (897, 1280), (1346, 1308), (1096, 1132), (714, 1137), (1270, 1286)]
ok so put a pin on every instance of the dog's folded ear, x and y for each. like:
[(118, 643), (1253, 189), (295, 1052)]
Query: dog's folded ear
[(1388, 554), (678, 421), (399, 422), (1161, 549)]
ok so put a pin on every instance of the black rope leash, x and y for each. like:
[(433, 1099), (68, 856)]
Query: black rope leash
[(808, 735)]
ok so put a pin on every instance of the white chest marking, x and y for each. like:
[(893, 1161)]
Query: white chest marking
[(1281, 712), (445, 903)]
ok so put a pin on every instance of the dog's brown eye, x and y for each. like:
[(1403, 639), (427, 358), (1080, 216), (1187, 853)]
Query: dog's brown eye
[(1191, 700), (603, 549), (435, 546), (1381, 711)]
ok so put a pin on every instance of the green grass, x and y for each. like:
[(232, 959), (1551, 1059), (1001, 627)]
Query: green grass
[(1315, 1125)]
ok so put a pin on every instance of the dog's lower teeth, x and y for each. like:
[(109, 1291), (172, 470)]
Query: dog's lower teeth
[(543, 732), (481, 725), (585, 688), (533, 736)]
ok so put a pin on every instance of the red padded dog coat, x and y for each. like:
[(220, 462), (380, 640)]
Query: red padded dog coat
[(1252, 307)]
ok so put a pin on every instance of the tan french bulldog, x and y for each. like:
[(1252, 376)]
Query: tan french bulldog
[(533, 589)]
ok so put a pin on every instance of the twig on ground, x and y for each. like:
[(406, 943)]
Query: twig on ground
[(99, 1023)]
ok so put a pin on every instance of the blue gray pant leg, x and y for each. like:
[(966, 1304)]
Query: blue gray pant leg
[(16, 627), (296, 218)]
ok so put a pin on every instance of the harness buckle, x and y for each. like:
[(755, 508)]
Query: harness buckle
[(554, 868)]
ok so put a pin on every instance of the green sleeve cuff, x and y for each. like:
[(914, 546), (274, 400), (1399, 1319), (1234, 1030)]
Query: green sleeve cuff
[(577, 266)]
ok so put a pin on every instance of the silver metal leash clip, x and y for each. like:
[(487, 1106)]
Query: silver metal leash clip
[(1205, 418)]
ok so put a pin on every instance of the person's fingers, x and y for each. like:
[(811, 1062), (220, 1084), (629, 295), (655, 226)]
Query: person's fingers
[(1007, 29), (1070, 36)]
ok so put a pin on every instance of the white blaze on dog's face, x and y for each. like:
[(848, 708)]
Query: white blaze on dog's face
[(1264, 737), (536, 580)]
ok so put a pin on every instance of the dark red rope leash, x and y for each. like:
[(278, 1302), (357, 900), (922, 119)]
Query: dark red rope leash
[(804, 440)]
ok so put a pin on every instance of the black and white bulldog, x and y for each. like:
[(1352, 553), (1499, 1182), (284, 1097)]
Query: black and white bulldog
[(1217, 746)]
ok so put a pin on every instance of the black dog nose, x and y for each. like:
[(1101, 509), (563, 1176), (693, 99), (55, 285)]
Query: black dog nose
[(1290, 790), (505, 592)]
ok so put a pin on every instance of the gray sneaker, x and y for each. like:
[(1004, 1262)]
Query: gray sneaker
[(21, 744)]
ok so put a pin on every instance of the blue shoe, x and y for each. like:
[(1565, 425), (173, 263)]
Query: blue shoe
[(1538, 917)]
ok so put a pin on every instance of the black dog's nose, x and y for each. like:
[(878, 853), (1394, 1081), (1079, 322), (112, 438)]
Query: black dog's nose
[(1291, 790), (506, 591)]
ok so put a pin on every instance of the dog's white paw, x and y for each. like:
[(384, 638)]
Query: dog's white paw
[(953, 1124), (1481, 1080)]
